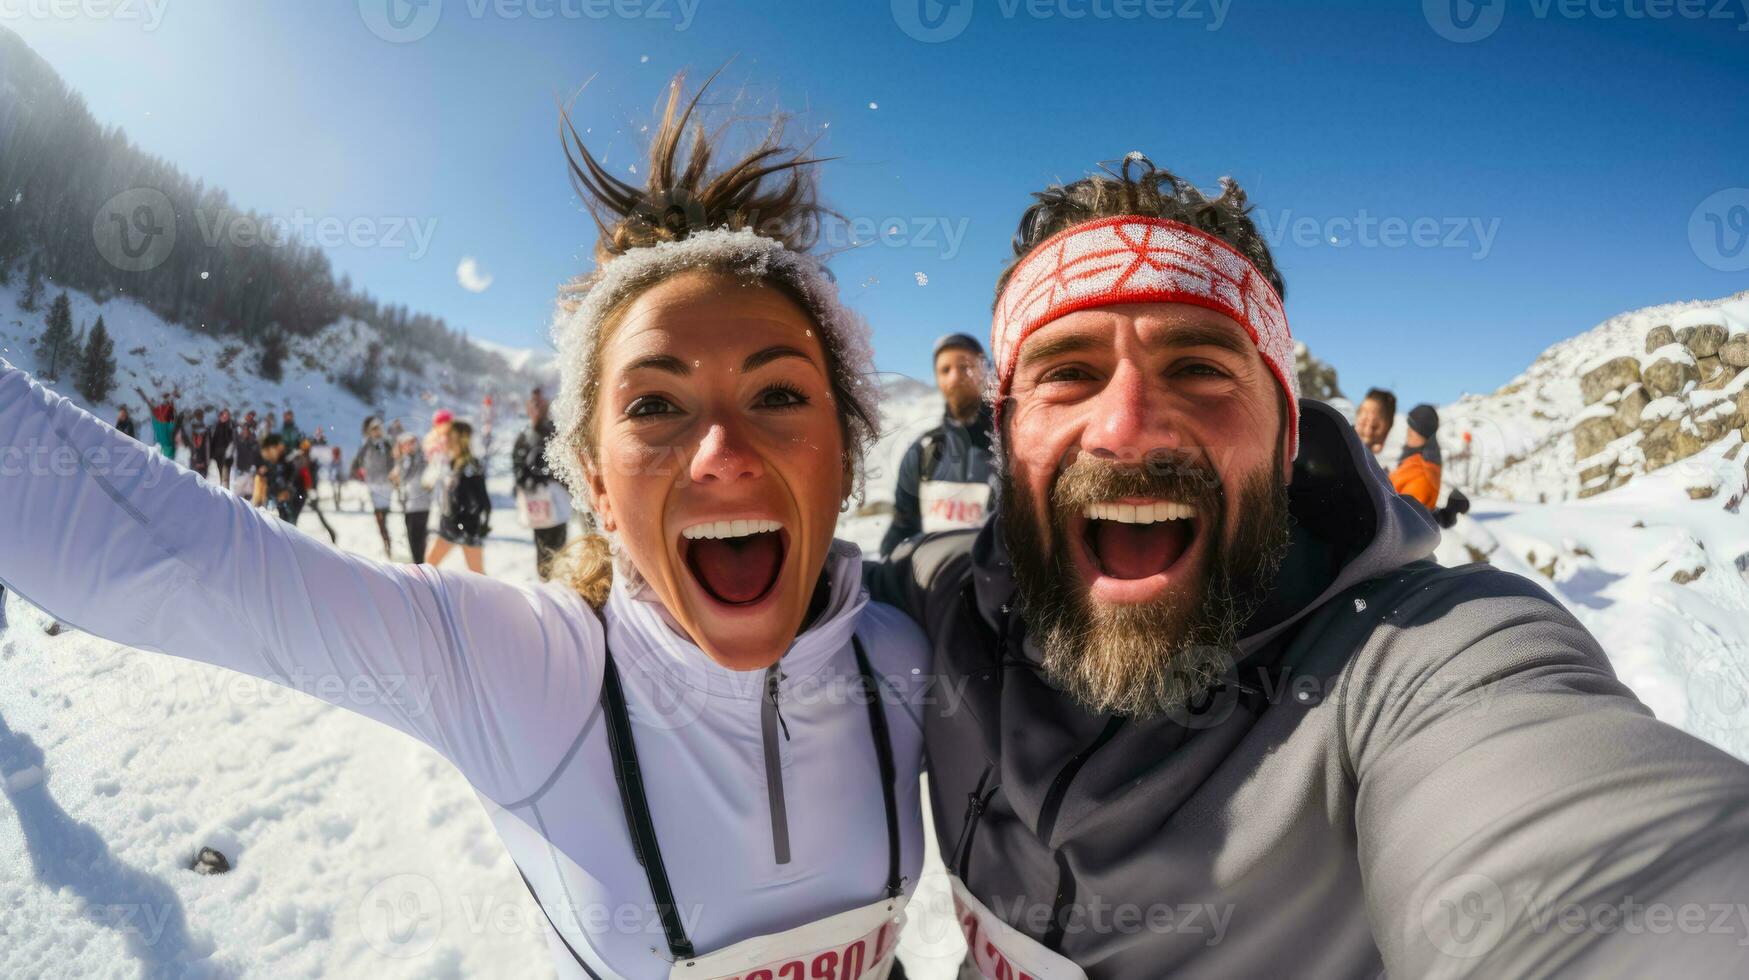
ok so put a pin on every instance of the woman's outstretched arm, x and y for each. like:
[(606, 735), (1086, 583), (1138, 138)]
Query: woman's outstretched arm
[(113, 539)]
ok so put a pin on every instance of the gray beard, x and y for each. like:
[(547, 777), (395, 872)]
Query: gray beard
[(1150, 659)]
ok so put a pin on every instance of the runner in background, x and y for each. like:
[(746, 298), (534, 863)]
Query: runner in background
[(467, 507), (541, 501), (246, 457), (310, 481), (373, 464), (124, 423), (223, 437), (276, 481), (436, 446), (946, 480), (409, 477), (199, 439)]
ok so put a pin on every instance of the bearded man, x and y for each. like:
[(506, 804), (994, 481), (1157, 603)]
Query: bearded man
[(1205, 706)]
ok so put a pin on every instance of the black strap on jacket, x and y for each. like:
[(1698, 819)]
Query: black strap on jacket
[(630, 780)]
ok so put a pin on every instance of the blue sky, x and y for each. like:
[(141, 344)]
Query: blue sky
[(1564, 159)]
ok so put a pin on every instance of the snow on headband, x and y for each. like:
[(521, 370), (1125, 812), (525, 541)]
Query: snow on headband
[(1133, 259), (843, 334)]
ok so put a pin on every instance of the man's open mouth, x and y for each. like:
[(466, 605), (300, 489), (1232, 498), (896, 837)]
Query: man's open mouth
[(736, 562), (1137, 539)]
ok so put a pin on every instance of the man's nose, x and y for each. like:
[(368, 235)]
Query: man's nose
[(723, 457), (1128, 419)]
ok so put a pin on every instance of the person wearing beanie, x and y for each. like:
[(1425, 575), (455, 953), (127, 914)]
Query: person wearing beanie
[(1418, 472), (1200, 664), (946, 478)]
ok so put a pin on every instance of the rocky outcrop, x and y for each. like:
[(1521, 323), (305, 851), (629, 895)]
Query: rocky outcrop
[(1317, 379), (1689, 391)]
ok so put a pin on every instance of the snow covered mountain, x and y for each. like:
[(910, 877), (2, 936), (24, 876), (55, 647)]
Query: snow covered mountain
[(220, 372), (1639, 391)]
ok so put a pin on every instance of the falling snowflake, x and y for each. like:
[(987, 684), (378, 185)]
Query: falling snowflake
[(205, 275), (1360, 605), (1134, 155), (644, 60), (870, 281), (632, 167), (874, 105), (922, 280)]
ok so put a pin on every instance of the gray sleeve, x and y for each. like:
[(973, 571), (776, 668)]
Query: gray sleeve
[(907, 509), (1519, 812)]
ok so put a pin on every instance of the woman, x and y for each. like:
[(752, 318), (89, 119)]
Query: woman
[(409, 476), (712, 731), (467, 512), (374, 464)]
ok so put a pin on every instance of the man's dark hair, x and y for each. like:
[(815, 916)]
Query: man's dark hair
[(271, 440), (1385, 399), (1140, 188)]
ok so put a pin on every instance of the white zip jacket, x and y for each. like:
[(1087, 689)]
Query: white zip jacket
[(768, 816)]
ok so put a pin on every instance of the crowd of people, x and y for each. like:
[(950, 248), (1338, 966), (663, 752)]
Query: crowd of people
[(283, 469), (1171, 640)]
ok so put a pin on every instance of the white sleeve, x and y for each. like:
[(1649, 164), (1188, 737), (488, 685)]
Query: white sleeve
[(113, 539)]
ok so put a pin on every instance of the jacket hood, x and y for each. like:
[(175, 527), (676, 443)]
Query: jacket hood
[(1339, 496)]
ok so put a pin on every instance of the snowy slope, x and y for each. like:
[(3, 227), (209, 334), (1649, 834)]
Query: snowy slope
[(356, 850), (1523, 443), (154, 355)]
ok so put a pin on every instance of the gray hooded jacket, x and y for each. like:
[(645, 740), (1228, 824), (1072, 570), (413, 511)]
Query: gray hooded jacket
[(1412, 769)]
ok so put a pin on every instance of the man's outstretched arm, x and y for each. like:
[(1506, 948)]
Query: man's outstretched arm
[(1519, 812)]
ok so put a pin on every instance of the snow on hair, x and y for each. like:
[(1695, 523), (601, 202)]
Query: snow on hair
[(743, 254)]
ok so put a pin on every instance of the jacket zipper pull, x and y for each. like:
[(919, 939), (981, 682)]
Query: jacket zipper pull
[(771, 679)]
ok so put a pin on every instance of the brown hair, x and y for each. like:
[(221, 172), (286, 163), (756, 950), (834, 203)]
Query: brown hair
[(770, 191), (1140, 188)]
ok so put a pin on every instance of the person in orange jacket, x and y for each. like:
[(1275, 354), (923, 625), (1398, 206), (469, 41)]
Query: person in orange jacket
[(1417, 474)]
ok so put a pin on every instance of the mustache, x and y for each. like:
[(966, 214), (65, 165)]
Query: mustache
[(1180, 477)]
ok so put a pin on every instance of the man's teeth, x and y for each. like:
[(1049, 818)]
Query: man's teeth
[(729, 529), (1139, 513)]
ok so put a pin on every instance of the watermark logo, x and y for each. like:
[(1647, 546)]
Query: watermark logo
[(935, 21), (1464, 21), (932, 21), (135, 230), (148, 13), (1466, 917), (401, 21), (1718, 230), (1718, 690), (401, 916)]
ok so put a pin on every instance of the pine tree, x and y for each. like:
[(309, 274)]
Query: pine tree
[(55, 347), (273, 352), (97, 366), (33, 287)]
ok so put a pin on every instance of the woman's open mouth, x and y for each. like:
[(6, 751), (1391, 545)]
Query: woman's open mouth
[(1134, 548), (735, 562)]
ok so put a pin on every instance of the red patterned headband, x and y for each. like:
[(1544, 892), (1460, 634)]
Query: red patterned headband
[(1142, 260)]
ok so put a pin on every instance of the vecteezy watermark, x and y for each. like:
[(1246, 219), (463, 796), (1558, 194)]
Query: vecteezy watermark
[(1363, 229), (137, 230), (1718, 230), (1466, 21), (935, 21), (1468, 916), (941, 235), (147, 13), (401, 916), (406, 21)]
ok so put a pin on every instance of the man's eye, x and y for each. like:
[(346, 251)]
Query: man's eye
[(645, 406), (782, 396), (1203, 370), (1064, 375)]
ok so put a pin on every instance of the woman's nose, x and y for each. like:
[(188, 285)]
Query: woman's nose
[(722, 457)]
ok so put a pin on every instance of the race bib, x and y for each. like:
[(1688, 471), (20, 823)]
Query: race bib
[(998, 951), (543, 508), (836, 948), (949, 506)]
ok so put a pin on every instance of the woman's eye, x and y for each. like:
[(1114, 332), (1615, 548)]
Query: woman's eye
[(645, 406), (781, 396)]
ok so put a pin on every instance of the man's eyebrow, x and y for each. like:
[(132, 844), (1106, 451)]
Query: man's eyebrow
[(661, 362), (1199, 335), (1044, 350), (759, 359)]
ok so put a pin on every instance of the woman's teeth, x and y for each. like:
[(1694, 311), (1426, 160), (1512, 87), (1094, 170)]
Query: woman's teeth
[(729, 529), (1139, 513)]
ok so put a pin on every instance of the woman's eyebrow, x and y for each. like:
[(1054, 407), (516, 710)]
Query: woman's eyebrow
[(661, 362), (759, 359)]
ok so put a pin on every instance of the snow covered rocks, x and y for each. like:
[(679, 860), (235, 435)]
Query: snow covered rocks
[(1689, 391)]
